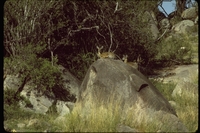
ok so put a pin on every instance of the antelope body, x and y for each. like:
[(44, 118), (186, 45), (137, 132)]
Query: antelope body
[(132, 64), (104, 55)]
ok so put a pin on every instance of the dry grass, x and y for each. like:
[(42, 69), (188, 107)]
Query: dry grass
[(106, 117), (187, 104)]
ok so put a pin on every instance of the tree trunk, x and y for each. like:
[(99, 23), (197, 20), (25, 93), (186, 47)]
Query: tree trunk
[(180, 6), (20, 89), (52, 59)]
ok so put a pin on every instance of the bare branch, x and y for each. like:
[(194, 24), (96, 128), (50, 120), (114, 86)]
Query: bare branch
[(162, 34), (97, 29), (84, 28), (111, 36), (160, 4), (116, 7)]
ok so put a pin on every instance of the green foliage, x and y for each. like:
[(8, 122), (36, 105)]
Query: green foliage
[(165, 89), (40, 71), (45, 75), (79, 64), (52, 109), (80, 26), (186, 104), (105, 119), (11, 103), (10, 98), (174, 50)]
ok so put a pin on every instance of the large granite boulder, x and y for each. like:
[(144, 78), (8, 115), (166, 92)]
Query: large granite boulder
[(114, 81)]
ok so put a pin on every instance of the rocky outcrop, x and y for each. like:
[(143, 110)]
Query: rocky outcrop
[(71, 83), (183, 26), (185, 87), (164, 24), (114, 81), (190, 13), (152, 23), (182, 73), (11, 82), (41, 102)]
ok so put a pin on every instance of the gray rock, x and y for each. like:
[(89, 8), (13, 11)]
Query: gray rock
[(41, 102), (170, 123), (196, 20), (182, 73), (114, 81), (20, 125), (183, 26), (62, 108), (164, 23), (173, 103), (114, 76), (32, 122), (150, 16), (186, 88), (124, 128), (189, 13), (11, 82), (71, 84)]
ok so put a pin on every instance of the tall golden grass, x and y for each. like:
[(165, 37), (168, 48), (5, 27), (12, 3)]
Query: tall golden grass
[(101, 117)]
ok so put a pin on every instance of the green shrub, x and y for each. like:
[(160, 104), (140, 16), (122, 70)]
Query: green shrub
[(165, 89), (11, 103), (39, 71), (79, 64), (174, 50)]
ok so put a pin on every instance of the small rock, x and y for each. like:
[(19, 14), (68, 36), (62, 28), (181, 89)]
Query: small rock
[(32, 122), (189, 13), (62, 108), (21, 125), (173, 104), (124, 128), (181, 27), (60, 119), (185, 87)]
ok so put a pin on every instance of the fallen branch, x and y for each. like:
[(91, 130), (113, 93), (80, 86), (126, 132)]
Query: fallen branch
[(162, 34)]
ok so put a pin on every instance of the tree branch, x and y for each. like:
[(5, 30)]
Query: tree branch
[(162, 34), (160, 4), (111, 36)]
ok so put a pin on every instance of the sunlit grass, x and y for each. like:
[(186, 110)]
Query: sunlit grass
[(186, 104), (105, 117)]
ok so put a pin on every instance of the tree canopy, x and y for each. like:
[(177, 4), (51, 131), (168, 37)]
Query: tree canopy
[(38, 35)]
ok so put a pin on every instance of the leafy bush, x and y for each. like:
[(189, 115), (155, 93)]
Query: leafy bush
[(174, 50), (10, 98), (186, 104), (11, 103), (80, 63), (37, 70), (165, 89)]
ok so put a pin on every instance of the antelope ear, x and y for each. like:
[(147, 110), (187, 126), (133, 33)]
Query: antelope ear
[(101, 47), (138, 59)]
